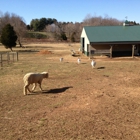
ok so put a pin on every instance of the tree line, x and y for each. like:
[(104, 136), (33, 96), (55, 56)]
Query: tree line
[(68, 31), (40, 24)]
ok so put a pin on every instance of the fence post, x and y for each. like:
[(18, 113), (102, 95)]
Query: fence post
[(1, 59), (7, 57), (17, 56), (13, 57)]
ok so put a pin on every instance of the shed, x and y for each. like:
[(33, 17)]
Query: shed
[(113, 40)]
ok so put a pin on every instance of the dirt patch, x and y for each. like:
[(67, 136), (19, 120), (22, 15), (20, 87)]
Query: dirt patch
[(44, 52)]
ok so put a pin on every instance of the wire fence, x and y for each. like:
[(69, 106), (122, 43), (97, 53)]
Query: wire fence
[(8, 57)]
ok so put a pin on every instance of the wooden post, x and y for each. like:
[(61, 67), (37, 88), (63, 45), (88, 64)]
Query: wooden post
[(13, 57), (111, 51), (7, 57), (1, 59), (17, 55), (133, 49)]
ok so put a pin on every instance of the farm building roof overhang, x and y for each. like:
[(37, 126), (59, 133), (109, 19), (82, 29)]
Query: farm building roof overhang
[(113, 34), (113, 43)]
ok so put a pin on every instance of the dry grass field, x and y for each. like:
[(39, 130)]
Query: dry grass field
[(78, 102)]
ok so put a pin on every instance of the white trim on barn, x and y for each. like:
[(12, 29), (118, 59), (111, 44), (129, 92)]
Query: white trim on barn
[(84, 42)]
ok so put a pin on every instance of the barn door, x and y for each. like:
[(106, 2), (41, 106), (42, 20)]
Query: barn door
[(83, 44)]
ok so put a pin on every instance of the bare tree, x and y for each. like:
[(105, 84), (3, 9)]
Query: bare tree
[(100, 21), (19, 26), (4, 19), (73, 30), (78, 30), (50, 28)]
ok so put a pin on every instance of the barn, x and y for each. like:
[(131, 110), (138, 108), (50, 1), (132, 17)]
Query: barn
[(123, 40)]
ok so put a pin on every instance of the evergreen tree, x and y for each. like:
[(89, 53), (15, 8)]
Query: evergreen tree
[(28, 27), (63, 36), (8, 37)]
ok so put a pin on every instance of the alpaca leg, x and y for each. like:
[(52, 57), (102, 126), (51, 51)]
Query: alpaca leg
[(28, 89), (34, 86), (25, 90), (40, 87)]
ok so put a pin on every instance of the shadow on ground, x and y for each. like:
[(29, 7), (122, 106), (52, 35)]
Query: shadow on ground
[(101, 68), (51, 91), (57, 90)]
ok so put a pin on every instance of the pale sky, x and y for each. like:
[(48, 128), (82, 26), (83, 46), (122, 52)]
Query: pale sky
[(72, 10)]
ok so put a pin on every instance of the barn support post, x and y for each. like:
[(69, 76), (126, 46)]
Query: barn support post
[(111, 46), (133, 50)]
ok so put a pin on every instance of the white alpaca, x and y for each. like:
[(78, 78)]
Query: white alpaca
[(33, 78), (78, 60), (93, 63), (61, 59)]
